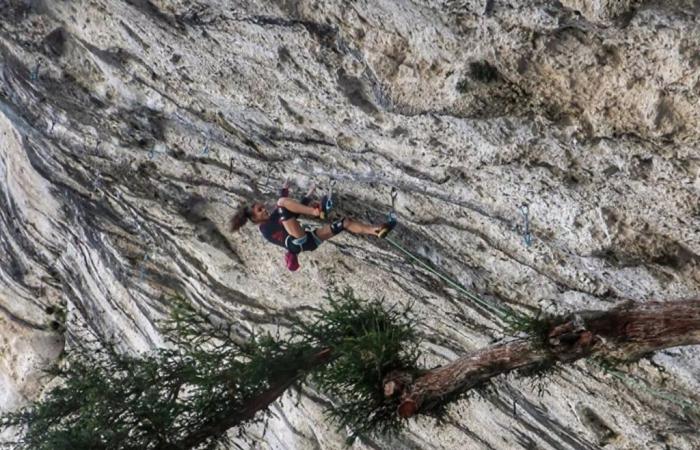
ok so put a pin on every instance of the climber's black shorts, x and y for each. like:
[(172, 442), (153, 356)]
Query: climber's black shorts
[(308, 243)]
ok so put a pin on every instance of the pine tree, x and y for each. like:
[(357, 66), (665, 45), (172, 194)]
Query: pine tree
[(361, 354)]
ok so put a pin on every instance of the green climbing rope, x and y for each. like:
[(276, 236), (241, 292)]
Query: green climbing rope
[(510, 315), (504, 313), (499, 311)]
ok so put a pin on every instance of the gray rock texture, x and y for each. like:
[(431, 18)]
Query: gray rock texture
[(131, 130)]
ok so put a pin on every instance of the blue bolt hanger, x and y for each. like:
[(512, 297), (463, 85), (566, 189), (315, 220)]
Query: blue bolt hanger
[(527, 236)]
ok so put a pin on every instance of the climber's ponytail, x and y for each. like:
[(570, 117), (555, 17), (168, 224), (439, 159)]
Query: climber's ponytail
[(240, 218)]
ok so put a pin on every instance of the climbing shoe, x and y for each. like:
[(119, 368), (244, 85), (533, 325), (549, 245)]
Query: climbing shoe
[(325, 207), (387, 226), (292, 261)]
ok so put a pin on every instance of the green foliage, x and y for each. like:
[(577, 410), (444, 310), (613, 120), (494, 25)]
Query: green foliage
[(209, 380), (111, 400), (368, 342), (535, 327), (608, 363), (539, 376)]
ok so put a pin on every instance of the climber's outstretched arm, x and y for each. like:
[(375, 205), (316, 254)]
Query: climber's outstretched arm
[(297, 207)]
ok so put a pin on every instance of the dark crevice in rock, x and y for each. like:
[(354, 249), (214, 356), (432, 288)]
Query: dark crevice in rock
[(26, 323), (591, 420), (311, 441), (147, 8), (299, 138), (546, 428), (55, 42), (206, 230), (483, 444), (354, 90), (134, 35), (322, 31)]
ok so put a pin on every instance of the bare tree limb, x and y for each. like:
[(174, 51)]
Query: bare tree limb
[(625, 333)]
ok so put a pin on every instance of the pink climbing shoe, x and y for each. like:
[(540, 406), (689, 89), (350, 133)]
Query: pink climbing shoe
[(292, 261)]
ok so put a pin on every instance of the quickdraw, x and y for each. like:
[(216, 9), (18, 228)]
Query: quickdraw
[(205, 150), (527, 236), (393, 217)]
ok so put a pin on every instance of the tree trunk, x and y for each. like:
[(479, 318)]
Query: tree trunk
[(624, 333), (254, 405)]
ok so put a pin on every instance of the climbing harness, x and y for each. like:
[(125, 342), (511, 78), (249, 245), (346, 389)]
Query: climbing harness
[(527, 236)]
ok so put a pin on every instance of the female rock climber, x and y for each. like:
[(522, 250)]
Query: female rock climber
[(282, 228)]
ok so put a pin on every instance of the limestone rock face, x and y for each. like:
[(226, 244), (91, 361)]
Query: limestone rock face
[(131, 130), (601, 10)]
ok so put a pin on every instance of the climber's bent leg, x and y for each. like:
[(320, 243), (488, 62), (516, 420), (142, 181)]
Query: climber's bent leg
[(353, 226)]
